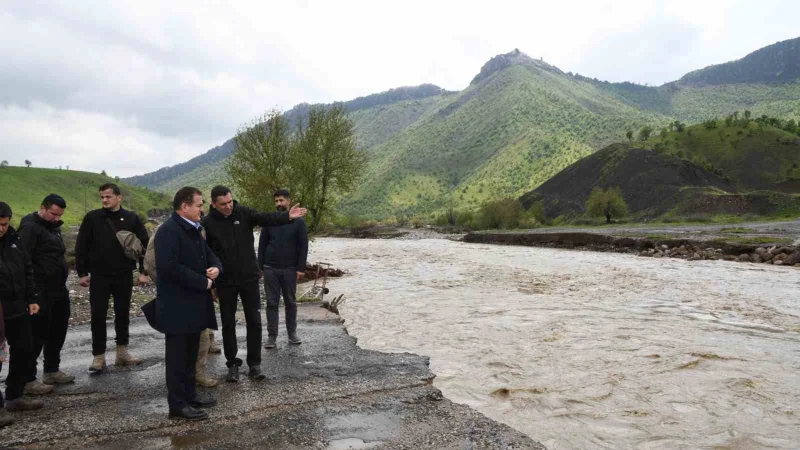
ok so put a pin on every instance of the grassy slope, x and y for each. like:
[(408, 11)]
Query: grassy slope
[(503, 136), (374, 126), (24, 189), (752, 158)]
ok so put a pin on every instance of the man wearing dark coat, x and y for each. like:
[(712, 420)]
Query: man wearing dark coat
[(186, 269), (19, 300)]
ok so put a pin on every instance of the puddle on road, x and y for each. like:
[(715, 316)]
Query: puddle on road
[(584, 349)]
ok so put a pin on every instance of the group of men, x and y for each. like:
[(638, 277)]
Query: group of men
[(198, 259)]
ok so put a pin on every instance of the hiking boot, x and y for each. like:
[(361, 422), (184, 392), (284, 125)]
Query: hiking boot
[(233, 374), (23, 404), (98, 364), (255, 373), (57, 378), (270, 342), (5, 418), (205, 381), (36, 387), (124, 358), (294, 338), (215, 347)]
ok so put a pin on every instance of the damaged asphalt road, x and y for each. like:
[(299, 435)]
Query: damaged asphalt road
[(324, 394)]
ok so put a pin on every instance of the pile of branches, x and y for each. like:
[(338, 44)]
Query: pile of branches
[(315, 271)]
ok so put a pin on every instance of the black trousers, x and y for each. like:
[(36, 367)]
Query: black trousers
[(101, 288), (20, 357), (180, 359), (279, 282), (50, 330), (251, 304)]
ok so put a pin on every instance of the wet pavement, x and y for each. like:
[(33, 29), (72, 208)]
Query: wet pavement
[(324, 394)]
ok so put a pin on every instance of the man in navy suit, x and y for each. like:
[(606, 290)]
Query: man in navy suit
[(186, 269)]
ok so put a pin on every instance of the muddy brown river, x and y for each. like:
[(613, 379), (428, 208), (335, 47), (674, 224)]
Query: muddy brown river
[(587, 350)]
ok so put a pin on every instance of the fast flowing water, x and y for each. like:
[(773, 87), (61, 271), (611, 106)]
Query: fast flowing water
[(587, 350)]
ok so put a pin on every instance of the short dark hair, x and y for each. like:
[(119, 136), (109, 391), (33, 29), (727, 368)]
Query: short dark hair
[(5, 211), (281, 193), (114, 188), (54, 199), (219, 191), (185, 195)]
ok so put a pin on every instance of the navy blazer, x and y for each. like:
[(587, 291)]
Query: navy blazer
[(183, 303)]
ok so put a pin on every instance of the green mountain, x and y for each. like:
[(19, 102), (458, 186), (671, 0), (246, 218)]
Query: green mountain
[(24, 188), (778, 63), (520, 122)]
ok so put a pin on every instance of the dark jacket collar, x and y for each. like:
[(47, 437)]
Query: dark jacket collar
[(10, 236), (38, 219), (218, 215)]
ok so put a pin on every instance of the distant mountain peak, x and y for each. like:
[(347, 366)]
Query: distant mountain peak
[(514, 57)]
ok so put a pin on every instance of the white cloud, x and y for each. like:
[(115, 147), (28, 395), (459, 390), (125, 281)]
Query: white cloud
[(172, 79)]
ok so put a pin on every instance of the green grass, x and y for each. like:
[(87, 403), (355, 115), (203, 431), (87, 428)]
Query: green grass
[(24, 188)]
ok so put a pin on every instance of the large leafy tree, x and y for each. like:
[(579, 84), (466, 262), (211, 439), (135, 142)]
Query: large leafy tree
[(316, 159)]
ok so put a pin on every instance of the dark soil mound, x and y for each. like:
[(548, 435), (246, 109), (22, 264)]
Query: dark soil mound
[(651, 182)]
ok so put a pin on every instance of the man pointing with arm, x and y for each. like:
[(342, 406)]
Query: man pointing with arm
[(229, 229)]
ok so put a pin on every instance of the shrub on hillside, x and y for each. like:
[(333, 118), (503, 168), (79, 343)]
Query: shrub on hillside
[(608, 203)]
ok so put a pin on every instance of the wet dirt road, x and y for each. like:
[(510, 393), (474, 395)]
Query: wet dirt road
[(584, 349)]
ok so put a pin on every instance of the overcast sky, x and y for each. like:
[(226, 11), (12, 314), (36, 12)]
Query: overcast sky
[(138, 85)]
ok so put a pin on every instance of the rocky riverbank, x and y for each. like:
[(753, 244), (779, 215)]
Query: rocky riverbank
[(690, 249), (324, 394)]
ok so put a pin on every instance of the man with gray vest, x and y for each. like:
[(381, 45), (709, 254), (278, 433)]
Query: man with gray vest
[(100, 254)]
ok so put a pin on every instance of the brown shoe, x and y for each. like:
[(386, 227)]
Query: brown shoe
[(57, 378), (23, 404), (215, 347), (202, 380), (36, 387), (98, 364), (124, 358)]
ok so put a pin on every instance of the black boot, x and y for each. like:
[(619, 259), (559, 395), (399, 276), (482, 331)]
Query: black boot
[(256, 374), (270, 342), (233, 374), (294, 338), (188, 413)]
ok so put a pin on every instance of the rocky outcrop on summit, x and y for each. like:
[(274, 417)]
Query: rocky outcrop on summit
[(500, 62)]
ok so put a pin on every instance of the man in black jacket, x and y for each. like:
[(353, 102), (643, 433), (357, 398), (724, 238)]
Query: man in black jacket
[(282, 252), (99, 253), (41, 236), (186, 269), (19, 301), (229, 229)]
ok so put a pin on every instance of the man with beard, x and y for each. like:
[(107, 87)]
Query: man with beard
[(229, 227), (98, 252), (41, 236), (282, 253), (19, 301)]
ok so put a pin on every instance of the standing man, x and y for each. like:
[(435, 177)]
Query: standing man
[(41, 236), (99, 253), (282, 252), (19, 301), (186, 269), (229, 229)]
